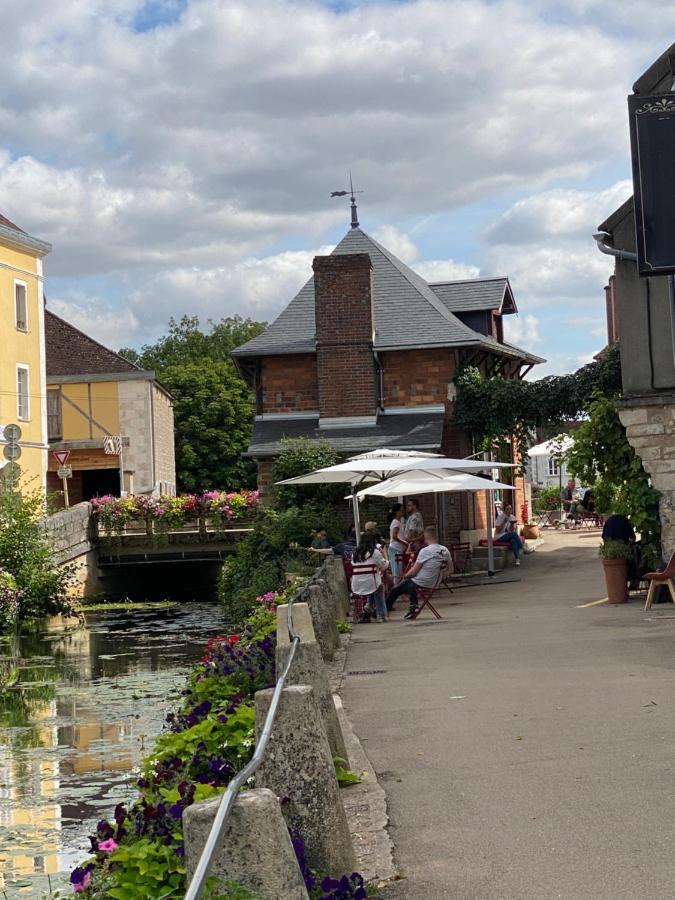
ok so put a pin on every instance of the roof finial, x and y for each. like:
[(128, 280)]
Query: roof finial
[(352, 192)]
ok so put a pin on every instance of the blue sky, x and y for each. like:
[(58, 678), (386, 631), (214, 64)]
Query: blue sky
[(179, 154)]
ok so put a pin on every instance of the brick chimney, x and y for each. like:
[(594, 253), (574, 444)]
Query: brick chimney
[(343, 300)]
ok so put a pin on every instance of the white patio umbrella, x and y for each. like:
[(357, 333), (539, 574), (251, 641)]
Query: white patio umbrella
[(438, 482), (557, 445), (384, 463)]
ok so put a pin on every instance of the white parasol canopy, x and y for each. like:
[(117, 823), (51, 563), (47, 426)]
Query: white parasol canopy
[(560, 444), (427, 483)]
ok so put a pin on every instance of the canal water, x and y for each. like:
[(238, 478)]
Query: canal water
[(79, 708)]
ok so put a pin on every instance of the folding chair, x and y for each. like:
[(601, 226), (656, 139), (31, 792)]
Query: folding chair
[(358, 601), (461, 557), (656, 579), (424, 595)]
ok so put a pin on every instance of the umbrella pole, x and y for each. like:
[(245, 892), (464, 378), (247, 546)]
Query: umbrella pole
[(357, 514), (490, 536)]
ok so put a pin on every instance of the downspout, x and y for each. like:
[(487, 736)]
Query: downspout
[(600, 239), (380, 381)]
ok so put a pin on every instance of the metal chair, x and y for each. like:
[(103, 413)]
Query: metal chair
[(656, 579), (461, 557), (424, 594)]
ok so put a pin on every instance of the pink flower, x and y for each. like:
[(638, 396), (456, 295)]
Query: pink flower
[(86, 881), (108, 846)]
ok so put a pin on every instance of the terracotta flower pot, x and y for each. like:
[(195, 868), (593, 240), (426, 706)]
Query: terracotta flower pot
[(616, 574), (530, 532)]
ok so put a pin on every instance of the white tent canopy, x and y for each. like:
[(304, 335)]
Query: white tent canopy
[(560, 444)]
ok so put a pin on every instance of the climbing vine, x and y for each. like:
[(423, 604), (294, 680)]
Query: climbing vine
[(490, 408), (601, 455)]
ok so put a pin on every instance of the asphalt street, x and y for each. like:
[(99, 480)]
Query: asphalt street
[(527, 746)]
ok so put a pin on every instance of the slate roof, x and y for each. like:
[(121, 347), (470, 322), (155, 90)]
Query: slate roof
[(405, 431), (71, 352), (475, 295), (408, 313)]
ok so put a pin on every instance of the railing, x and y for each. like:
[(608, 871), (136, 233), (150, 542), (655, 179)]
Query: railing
[(151, 527), (214, 839)]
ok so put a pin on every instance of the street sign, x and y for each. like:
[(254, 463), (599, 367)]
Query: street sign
[(652, 139), (64, 471), (11, 433), (11, 451), (62, 456)]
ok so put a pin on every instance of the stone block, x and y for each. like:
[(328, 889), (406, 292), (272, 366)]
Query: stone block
[(298, 765), (664, 481), (653, 452), (638, 416), (337, 578), (256, 850), (323, 620), (308, 668), (330, 600), (647, 441), (659, 466), (641, 430)]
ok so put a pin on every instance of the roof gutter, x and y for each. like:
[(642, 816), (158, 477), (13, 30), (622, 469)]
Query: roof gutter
[(600, 239)]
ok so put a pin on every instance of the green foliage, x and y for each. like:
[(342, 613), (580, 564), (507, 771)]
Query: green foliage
[(146, 868), (274, 547), (490, 408), (299, 456), (548, 498), (602, 454), (615, 550), (344, 775), (213, 406), (26, 555), (343, 626)]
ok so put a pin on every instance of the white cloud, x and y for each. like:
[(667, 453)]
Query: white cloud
[(523, 331), (399, 243), (111, 326)]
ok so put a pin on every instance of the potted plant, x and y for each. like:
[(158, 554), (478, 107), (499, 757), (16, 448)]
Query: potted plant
[(615, 556), (530, 531)]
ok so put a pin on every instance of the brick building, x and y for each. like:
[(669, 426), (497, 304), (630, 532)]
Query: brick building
[(365, 356), (94, 394)]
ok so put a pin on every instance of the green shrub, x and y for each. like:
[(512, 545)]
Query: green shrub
[(612, 549), (26, 555), (299, 456)]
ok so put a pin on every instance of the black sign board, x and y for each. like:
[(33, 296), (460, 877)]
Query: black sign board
[(652, 138)]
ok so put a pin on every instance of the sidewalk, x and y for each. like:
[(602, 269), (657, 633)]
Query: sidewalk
[(527, 747)]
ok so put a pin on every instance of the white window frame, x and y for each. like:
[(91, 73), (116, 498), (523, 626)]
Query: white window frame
[(23, 367), (553, 467), (24, 285)]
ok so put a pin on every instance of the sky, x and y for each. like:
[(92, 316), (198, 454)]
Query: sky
[(179, 154)]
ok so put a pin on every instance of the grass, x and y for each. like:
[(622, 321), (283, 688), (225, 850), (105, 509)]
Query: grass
[(127, 604)]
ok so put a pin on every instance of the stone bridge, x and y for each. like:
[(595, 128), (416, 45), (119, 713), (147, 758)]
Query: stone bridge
[(184, 563)]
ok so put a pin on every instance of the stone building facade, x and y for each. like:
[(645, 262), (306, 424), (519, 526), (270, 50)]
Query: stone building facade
[(365, 356)]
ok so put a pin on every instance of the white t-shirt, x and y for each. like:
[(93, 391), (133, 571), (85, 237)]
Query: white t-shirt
[(368, 583), (504, 523), (400, 524), (433, 558)]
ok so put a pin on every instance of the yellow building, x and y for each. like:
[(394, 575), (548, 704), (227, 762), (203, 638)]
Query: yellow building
[(115, 419), (22, 349)]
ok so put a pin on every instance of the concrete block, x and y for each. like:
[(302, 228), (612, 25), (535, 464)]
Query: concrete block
[(298, 765), (330, 600), (633, 416), (308, 668), (256, 850), (323, 620), (337, 579)]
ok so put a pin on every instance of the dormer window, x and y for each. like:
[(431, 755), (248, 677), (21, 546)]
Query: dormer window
[(21, 306)]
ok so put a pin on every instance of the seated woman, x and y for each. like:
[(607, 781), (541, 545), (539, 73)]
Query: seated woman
[(368, 565), (505, 531)]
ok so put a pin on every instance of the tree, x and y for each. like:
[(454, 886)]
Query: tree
[(213, 410), (298, 456), (213, 405)]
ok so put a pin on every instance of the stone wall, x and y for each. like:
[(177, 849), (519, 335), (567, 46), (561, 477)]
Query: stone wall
[(650, 429), (136, 424), (70, 536), (163, 425)]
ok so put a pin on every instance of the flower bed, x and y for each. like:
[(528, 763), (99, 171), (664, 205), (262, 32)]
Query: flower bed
[(140, 852), (221, 507)]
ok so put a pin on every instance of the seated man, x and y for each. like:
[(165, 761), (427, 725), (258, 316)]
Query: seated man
[(424, 573), (323, 547), (505, 531)]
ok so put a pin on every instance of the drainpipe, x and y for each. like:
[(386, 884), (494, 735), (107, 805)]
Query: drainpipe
[(600, 239), (380, 399)]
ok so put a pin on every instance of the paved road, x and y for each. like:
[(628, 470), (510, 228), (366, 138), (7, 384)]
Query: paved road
[(554, 776)]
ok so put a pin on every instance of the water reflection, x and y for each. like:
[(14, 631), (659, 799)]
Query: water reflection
[(78, 711)]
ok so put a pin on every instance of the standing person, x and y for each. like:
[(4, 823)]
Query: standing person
[(397, 543), (368, 565), (505, 531), (414, 524), (425, 573)]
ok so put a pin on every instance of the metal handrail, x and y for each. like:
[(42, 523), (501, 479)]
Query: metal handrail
[(214, 839)]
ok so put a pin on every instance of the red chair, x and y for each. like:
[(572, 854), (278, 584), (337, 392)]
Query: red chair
[(358, 601), (461, 557), (424, 594), (656, 579)]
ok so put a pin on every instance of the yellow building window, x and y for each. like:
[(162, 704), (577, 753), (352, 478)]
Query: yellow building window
[(21, 306), (22, 395), (54, 416)]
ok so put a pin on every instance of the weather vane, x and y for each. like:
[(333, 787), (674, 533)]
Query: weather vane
[(351, 192)]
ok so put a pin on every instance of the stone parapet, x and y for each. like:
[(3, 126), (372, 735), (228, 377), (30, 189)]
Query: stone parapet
[(650, 430)]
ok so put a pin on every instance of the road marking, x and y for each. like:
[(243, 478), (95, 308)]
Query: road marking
[(593, 603)]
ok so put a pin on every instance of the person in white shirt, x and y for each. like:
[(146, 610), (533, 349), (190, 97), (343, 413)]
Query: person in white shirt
[(505, 531), (368, 564), (397, 543), (425, 572)]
